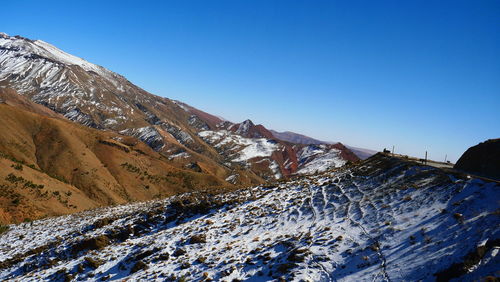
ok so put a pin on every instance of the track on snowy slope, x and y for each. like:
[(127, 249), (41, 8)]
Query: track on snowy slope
[(385, 219)]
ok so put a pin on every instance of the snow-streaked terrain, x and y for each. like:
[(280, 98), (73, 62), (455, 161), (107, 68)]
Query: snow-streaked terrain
[(318, 158), (148, 135), (65, 83), (311, 158), (385, 219), (240, 147)]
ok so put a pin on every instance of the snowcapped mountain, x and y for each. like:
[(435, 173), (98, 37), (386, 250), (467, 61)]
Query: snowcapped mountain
[(96, 97), (385, 219)]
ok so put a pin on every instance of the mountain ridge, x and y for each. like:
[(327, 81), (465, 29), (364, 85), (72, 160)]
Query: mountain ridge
[(98, 98)]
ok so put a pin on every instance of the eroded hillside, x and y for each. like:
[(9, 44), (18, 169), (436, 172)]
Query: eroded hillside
[(51, 166), (384, 219)]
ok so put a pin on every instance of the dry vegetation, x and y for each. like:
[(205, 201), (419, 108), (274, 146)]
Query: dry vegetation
[(49, 166)]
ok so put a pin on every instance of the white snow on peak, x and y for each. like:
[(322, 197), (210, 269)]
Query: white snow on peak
[(46, 50), (68, 59), (244, 127)]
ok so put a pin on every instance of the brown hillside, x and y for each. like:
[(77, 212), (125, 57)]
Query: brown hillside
[(51, 166)]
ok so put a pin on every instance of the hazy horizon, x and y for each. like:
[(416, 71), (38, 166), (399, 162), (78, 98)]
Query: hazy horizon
[(422, 76)]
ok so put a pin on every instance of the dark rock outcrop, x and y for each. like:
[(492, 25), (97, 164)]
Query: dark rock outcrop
[(482, 159)]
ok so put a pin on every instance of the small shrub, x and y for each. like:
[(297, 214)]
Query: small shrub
[(4, 228), (298, 255), (374, 247), (163, 257), (459, 217), (58, 177), (96, 243), (201, 238), (138, 266), (30, 184), (17, 167), (285, 267), (179, 252), (92, 262), (12, 178), (185, 265), (201, 259)]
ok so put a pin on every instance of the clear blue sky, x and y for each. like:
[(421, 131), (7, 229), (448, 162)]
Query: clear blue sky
[(420, 75)]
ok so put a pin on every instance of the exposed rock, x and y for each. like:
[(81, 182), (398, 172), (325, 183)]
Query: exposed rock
[(482, 159), (95, 243), (138, 266)]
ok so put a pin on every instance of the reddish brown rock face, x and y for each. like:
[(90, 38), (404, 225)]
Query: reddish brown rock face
[(345, 153), (286, 157), (248, 129)]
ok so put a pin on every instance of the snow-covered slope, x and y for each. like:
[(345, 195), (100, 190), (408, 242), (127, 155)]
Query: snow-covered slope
[(240, 148), (306, 159), (383, 220), (318, 158), (61, 81), (49, 52)]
